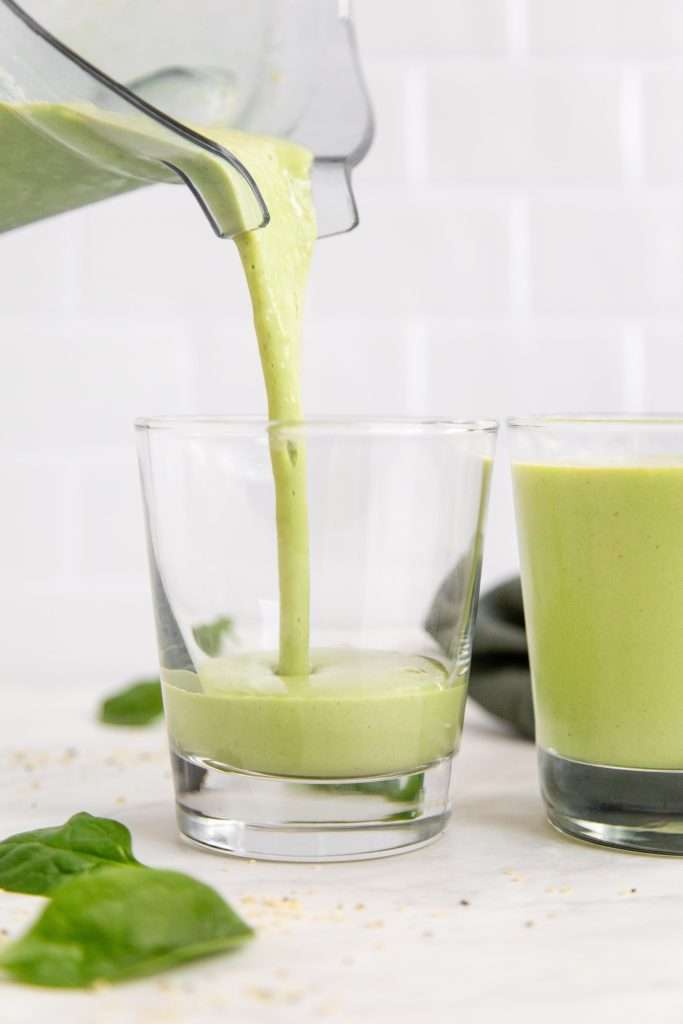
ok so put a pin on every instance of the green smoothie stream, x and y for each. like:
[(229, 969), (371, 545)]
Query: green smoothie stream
[(325, 713), (602, 567)]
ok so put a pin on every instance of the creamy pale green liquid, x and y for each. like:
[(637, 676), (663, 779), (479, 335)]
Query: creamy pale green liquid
[(57, 157), (602, 567), (357, 713), (276, 262), (325, 713)]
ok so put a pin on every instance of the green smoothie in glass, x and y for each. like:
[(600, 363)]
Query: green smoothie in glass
[(599, 506), (602, 562)]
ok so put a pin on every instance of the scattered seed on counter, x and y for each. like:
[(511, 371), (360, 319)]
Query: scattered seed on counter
[(514, 876)]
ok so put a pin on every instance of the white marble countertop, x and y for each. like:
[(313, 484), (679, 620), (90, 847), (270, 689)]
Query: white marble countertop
[(502, 918)]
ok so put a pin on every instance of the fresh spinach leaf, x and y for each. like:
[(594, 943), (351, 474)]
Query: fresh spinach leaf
[(209, 636), (119, 923), (139, 704), (37, 862)]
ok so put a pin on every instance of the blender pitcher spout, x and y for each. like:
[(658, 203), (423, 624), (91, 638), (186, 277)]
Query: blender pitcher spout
[(87, 137), (97, 100)]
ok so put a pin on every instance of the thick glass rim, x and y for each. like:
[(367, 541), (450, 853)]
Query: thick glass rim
[(392, 426), (597, 419)]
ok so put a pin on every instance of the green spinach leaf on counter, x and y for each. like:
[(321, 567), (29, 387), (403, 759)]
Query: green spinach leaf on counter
[(120, 923), (139, 704), (209, 637), (37, 862)]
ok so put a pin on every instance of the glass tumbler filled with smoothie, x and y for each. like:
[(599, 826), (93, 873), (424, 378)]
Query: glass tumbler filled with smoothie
[(294, 565), (599, 504)]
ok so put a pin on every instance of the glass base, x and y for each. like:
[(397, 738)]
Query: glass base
[(269, 817), (630, 808)]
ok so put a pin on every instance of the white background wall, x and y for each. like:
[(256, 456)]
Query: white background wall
[(521, 249)]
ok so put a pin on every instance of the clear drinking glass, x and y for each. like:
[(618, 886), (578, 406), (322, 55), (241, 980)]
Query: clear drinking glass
[(599, 503), (352, 758)]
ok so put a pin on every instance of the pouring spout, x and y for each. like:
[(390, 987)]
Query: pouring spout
[(333, 197), (337, 125), (286, 69), (88, 127)]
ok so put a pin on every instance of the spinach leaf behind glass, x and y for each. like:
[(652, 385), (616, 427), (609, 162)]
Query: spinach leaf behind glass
[(138, 704), (209, 636)]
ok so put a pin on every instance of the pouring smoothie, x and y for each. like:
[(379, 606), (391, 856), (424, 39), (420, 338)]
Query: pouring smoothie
[(255, 712), (42, 178), (302, 712)]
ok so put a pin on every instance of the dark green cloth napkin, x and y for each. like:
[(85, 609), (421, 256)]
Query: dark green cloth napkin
[(500, 680)]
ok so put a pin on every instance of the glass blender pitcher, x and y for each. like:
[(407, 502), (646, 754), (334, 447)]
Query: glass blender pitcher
[(97, 99)]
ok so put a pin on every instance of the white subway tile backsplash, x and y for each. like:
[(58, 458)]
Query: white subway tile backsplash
[(524, 124), (39, 269), (470, 372), (31, 521), (662, 118), (588, 257), (416, 252), (434, 28), (648, 28), (663, 368), (473, 371), (356, 366), (463, 370), (153, 253), (112, 543), (77, 382), (616, 257), (59, 632), (224, 371), (389, 83), (664, 220), (578, 368)]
